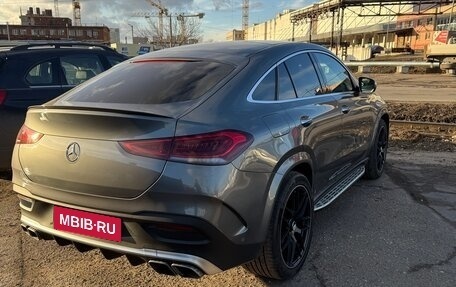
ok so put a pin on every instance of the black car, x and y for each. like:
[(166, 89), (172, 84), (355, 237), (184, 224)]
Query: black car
[(32, 74)]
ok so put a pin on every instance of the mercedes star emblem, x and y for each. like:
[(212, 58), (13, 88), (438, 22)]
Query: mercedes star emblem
[(73, 152)]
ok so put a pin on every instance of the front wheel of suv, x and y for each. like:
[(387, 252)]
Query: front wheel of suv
[(290, 231)]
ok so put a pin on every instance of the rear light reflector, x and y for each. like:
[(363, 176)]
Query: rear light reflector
[(159, 148), (2, 96), (212, 148), (28, 136)]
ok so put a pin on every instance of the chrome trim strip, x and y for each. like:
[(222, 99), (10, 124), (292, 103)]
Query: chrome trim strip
[(45, 87), (202, 263), (250, 95)]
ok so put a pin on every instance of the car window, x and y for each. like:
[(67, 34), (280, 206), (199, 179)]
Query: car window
[(266, 89), (153, 82), (40, 74), (285, 89), (79, 68), (303, 75), (337, 78)]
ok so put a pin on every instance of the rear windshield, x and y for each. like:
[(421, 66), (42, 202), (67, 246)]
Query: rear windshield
[(152, 82)]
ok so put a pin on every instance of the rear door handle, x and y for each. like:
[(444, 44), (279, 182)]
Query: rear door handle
[(345, 109), (306, 121)]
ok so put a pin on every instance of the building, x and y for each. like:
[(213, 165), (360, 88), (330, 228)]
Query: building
[(140, 40), (114, 34), (235, 35), (356, 30), (418, 30), (356, 24), (43, 26)]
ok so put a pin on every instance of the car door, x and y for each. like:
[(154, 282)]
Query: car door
[(316, 119), (27, 80), (40, 83), (356, 113)]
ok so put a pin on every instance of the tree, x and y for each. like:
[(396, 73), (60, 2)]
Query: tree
[(185, 29)]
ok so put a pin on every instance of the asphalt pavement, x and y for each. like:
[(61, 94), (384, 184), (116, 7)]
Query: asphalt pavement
[(438, 88)]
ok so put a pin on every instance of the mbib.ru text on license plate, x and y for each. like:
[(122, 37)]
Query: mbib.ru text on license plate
[(87, 223)]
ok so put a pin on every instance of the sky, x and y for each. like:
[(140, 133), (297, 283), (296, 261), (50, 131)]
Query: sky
[(221, 16)]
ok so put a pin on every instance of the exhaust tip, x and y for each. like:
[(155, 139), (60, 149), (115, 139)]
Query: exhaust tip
[(33, 233), (24, 227), (187, 271), (161, 267)]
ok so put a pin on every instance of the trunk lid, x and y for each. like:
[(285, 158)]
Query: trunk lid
[(80, 151)]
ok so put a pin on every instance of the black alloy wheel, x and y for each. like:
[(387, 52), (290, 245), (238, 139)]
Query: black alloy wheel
[(382, 145), (290, 231), (295, 227)]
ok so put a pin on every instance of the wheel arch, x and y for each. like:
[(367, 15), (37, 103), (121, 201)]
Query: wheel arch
[(300, 161)]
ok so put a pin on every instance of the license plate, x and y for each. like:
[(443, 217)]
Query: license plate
[(87, 223)]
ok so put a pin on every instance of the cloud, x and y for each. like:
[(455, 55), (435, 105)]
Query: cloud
[(220, 4), (295, 4)]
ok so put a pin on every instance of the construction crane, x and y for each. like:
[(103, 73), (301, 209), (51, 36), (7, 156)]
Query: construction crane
[(56, 8), (161, 11), (245, 17), (76, 13), (181, 18)]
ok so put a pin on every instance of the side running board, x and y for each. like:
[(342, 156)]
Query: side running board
[(331, 194)]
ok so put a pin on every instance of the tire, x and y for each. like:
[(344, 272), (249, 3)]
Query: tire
[(447, 66), (290, 231), (377, 157)]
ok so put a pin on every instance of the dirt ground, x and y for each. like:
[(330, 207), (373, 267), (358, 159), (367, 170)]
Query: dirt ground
[(416, 138)]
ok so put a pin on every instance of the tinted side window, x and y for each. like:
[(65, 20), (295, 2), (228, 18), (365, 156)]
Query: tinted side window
[(265, 91), (337, 77), (304, 76), (40, 74), (285, 87), (80, 68), (152, 82)]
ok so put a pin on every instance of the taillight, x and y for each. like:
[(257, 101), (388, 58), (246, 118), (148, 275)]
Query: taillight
[(211, 148), (28, 136), (2, 96)]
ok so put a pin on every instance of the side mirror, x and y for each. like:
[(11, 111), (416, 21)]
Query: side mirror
[(367, 85)]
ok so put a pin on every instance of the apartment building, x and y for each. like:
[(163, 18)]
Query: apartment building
[(235, 35), (419, 29), (43, 26)]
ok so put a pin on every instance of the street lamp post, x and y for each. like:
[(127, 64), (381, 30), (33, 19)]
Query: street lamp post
[(8, 31), (451, 13), (170, 32)]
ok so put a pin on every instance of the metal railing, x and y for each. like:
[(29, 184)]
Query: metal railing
[(401, 67)]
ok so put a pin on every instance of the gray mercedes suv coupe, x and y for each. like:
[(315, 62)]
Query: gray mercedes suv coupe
[(197, 159)]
